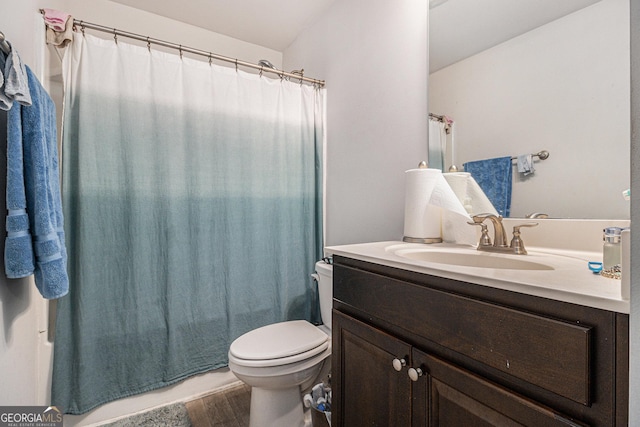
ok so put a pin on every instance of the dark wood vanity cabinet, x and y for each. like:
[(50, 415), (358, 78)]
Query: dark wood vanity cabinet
[(371, 391), (416, 350)]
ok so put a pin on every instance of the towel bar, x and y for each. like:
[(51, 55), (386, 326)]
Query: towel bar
[(542, 155)]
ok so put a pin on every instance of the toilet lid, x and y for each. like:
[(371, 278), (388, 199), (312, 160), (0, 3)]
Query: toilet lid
[(279, 340)]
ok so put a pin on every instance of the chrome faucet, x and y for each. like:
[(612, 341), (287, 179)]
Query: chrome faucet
[(538, 215), (499, 238), (499, 235)]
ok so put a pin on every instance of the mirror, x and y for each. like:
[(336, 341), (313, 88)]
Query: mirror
[(521, 77)]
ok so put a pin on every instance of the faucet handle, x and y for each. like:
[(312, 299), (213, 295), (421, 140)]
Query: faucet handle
[(485, 240), (516, 243), (516, 228), (537, 215)]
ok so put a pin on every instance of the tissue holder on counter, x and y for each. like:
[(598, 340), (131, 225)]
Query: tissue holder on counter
[(422, 221), (433, 212)]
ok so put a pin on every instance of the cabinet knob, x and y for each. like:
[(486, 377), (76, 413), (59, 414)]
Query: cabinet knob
[(415, 373), (398, 364)]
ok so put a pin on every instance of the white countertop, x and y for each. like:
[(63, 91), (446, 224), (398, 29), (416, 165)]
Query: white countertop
[(570, 280)]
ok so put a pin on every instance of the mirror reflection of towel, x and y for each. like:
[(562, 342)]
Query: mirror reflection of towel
[(494, 176)]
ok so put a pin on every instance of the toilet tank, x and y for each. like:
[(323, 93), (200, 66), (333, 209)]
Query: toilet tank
[(324, 277)]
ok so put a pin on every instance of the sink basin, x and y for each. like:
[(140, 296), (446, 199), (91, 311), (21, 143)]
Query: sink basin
[(473, 259)]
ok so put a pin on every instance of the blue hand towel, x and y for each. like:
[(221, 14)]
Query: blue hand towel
[(41, 190), (494, 176), (18, 249)]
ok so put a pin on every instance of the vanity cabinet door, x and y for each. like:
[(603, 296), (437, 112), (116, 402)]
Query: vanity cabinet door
[(447, 396), (367, 388)]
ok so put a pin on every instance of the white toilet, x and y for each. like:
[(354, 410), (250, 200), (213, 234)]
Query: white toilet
[(281, 360)]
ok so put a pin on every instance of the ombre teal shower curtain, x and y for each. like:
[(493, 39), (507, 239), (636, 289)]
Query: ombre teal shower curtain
[(193, 213)]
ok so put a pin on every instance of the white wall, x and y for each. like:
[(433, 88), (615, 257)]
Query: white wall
[(25, 353), (373, 55), (18, 339), (563, 87)]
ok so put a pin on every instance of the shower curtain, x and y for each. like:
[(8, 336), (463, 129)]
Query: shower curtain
[(437, 144), (193, 213)]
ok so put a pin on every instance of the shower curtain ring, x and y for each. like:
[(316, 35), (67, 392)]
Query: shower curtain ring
[(148, 44), (236, 65), (210, 58), (180, 50), (115, 35)]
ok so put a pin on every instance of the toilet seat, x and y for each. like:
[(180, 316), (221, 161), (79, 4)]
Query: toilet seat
[(278, 344)]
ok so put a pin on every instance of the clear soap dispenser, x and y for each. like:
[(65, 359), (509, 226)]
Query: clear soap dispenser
[(611, 249)]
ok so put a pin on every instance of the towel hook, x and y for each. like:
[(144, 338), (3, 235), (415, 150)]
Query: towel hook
[(3, 44)]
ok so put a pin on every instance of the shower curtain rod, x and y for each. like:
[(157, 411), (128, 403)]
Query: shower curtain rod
[(448, 122), (436, 117), (149, 40)]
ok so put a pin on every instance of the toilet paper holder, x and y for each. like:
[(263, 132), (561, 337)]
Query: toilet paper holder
[(408, 239), (427, 240)]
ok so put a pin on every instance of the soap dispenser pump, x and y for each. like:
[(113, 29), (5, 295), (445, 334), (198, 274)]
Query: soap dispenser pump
[(611, 250)]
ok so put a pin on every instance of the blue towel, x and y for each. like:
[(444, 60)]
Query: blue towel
[(33, 195), (494, 176), (18, 249)]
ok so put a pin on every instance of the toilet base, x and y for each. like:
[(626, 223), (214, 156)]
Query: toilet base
[(276, 407)]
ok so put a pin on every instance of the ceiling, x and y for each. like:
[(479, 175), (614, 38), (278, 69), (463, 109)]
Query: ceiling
[(461, 28), (458, 28), (274, 24)]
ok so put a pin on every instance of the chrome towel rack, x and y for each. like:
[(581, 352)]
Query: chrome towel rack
[(542, 155)]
